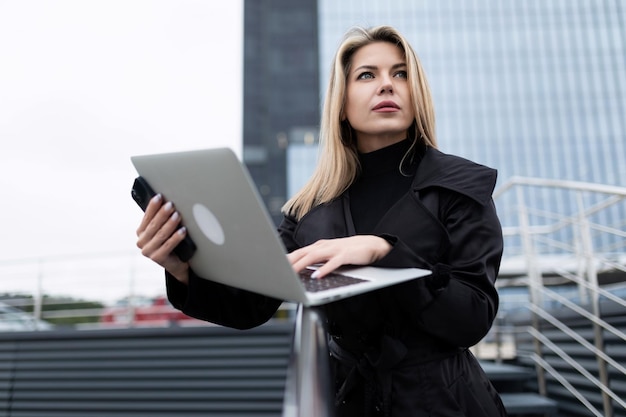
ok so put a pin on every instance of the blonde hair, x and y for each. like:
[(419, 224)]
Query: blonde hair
[(338, 163)]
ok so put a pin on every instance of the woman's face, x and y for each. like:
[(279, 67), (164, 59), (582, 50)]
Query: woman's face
[(378, 101)]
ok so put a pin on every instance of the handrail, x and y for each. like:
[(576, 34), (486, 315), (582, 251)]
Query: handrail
[(548, 343), (568, 331), (600, 291), (588, 233), (552, 183), (557, 375)]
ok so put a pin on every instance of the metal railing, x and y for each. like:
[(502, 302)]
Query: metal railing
[(89, 291), (560, 259)]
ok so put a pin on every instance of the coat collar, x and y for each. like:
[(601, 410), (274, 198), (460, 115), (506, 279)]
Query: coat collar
[(438, 169)]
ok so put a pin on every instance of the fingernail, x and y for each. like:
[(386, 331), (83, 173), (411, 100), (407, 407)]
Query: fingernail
[(175, 216), (168, 205), (315, 274), (157, 197), (182, 230)]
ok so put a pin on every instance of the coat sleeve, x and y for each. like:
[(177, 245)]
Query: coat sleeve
[(459, 301), (286, 231), (220, 304), (224, 305)]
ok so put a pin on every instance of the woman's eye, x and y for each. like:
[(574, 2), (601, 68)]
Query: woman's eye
[(365, 76), (401, 74)]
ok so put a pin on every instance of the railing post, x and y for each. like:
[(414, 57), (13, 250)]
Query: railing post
[(307, 391), (535, 280), (497, 338), (594, 297), (38, 296), (132, 299)]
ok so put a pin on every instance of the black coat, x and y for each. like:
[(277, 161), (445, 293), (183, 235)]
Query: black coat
[(401, 350)]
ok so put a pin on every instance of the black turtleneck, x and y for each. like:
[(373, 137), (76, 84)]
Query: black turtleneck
[(380, 184)]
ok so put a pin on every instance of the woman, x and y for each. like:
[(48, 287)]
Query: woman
[(383, 195)]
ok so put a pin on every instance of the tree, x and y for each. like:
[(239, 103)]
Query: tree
[(58, 310)]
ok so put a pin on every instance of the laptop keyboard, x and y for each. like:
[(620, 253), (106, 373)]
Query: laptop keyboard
[(328, 282)]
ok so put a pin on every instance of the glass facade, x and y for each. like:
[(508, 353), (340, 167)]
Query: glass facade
[(281, 100)]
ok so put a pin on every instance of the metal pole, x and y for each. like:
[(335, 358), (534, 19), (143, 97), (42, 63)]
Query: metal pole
[(497, 338), (38, 296), (592, 277), (535, 280), (307, 390)]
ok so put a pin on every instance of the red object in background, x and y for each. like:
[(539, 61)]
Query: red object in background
[(146, 312)]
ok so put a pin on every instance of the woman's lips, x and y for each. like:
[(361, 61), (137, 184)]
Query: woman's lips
[(386, 106)]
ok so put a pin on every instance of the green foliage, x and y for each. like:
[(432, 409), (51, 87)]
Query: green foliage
[(68, 311)]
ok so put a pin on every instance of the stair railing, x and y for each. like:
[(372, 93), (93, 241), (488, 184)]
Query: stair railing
[(585, 237)]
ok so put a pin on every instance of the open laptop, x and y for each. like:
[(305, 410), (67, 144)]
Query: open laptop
[(237, 243)]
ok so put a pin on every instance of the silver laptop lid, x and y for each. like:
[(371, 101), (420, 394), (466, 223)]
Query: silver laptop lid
[(236, 239)]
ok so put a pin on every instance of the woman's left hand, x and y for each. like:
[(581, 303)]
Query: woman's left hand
[(353, 250)]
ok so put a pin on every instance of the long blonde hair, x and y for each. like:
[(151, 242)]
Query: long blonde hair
[(338, 163)]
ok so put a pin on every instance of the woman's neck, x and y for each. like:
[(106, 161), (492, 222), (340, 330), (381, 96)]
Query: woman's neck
[(371, 143)]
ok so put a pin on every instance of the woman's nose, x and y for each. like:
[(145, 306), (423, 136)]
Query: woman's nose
[(386, 86)]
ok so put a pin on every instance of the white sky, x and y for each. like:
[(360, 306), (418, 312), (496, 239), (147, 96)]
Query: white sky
[(85, 84)]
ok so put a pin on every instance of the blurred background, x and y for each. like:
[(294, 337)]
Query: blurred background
[(534, 89)]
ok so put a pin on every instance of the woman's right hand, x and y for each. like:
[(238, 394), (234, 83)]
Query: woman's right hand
[(158, 235)]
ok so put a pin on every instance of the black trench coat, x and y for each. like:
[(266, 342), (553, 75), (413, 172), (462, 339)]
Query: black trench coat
[(400, 351)]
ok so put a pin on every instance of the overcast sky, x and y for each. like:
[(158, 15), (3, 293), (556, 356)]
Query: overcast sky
[(86, 84)]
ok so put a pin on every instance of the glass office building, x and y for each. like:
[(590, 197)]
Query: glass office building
[(281, 101)]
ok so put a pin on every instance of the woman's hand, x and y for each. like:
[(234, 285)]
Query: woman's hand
[(353, 250), (158, 236)]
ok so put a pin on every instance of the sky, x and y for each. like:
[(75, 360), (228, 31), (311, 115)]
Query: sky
[(83, 86)]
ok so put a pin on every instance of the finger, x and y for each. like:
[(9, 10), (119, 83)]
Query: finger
[(312, 258), (155, 204), (152, 208), (163, 255), (296, 255), (157, 221), (328, 267), (300, 258), (301, 265), (157, 233)]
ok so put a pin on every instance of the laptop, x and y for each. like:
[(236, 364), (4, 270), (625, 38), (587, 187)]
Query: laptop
[(236, 240)]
